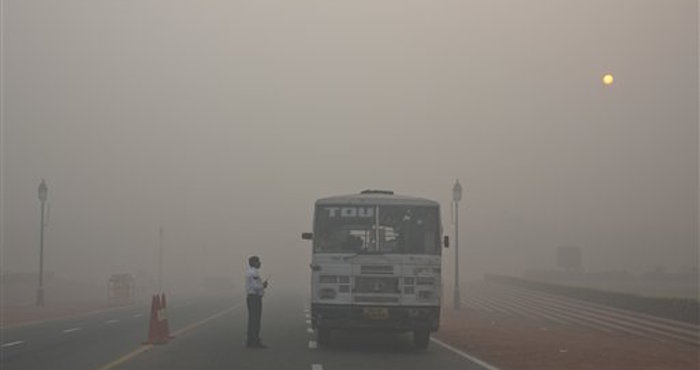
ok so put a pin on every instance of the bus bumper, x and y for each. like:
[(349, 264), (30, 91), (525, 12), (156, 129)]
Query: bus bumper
[(386, 318)]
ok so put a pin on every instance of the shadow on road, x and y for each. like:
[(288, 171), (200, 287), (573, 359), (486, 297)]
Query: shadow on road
[(358, 341)]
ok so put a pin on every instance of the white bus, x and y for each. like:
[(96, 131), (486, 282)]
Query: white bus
[(376, 265)]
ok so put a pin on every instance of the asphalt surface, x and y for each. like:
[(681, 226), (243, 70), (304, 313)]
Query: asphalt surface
[(210, 334)]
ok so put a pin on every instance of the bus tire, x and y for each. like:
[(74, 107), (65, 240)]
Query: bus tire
[(323, 336), (421, 338)]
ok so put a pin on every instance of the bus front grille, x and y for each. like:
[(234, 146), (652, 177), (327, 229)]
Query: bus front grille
[(365, 284)]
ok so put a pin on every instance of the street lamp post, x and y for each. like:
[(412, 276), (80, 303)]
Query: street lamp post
[(456, 197), (160, 259), (43, 191)]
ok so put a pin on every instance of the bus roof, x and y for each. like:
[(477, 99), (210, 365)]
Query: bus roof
[(370, 197)]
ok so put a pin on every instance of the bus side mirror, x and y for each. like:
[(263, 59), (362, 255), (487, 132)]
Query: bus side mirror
[(307, 236), (446, 241)]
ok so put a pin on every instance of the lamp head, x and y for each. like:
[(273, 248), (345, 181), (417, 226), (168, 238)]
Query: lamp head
[(457, 192), (43, 191)]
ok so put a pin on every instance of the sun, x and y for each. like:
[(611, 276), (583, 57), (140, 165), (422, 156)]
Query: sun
[(608, 79)]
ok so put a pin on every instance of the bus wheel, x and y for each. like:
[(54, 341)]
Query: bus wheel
[(421, 338), (323, 336)]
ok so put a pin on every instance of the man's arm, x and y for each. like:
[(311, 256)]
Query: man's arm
[(258, 285)]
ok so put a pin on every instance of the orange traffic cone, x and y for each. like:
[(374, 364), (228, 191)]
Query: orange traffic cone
[(165, 325), (155, 332)]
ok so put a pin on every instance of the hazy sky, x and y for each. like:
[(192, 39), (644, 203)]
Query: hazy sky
[(223, 121)]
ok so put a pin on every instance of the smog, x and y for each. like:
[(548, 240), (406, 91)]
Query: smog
[(177, 139)]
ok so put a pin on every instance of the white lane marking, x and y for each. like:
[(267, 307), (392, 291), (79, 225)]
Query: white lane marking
[(137, 315), (111, 321), (71, 330), (316, 367), (306, 310), (312, 344), (308, 322), (12, 344), (309, 330), (307, 316), (471, 358), (69, 316)]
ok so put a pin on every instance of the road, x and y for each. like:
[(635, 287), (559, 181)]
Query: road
[(210, 335)]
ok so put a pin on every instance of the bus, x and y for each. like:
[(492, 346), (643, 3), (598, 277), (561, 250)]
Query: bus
[(376, 265)]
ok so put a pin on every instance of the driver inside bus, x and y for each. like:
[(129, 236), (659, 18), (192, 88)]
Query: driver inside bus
[(352, 243)]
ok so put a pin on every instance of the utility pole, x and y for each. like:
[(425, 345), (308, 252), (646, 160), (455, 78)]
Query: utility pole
[(160, 259), (43, 192), (456, 197)]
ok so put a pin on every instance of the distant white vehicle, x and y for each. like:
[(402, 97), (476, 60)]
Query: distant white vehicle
[(376, 265), (121, 289)]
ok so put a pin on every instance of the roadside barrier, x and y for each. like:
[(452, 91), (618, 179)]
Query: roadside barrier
[(679, 309)]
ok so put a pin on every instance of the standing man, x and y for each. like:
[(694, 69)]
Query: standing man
[(255, 288)]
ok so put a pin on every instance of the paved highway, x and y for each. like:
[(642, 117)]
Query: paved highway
[(210, 335), (87, 341)]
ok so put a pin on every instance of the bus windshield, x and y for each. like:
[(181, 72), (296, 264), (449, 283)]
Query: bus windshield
[(356, 229)]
